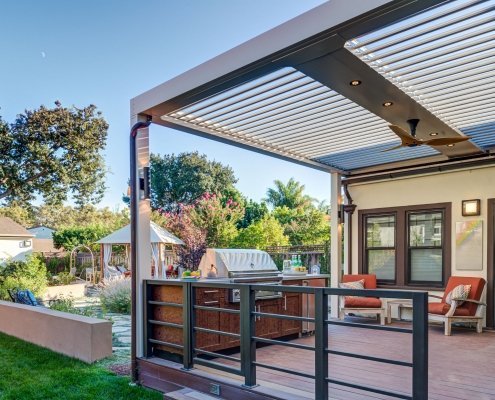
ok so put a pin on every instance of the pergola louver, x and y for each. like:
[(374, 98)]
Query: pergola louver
[(443, 58), (431, 60)]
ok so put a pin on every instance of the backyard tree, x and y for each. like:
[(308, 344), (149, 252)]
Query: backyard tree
[(53, 153), (290, 195), (253, 212), (194, 238), (304, 226), (183, 178), (261, 234), (218, 217), (69, 238)]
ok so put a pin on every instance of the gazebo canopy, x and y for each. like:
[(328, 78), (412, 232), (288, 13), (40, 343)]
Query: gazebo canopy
[(157, 235)]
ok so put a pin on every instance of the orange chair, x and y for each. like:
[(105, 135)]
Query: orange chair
[(362, 305), (468, 310)]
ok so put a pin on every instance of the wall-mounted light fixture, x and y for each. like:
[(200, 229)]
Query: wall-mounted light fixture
[(471, 207)]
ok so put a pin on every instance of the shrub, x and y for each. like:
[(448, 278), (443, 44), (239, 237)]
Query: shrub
[(63, 278), (54, 265), (29, 274), (66, 304), (116, 297)]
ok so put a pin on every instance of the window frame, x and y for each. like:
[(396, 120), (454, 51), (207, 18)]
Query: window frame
[(366, 248), (409, 281), (402, 264)]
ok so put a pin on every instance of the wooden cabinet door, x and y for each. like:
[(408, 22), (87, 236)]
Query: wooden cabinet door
[(291, 306), (268, 327), (208, 319), (230, 323)]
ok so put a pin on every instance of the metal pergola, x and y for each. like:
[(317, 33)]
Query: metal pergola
[(287, 93)]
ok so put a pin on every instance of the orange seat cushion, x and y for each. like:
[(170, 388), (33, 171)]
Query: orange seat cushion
[(443, 308), (369, 280), (477, 286), (362, 302)]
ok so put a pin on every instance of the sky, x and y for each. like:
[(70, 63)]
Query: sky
[(105, 52)]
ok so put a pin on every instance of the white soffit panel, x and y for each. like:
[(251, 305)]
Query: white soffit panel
[(291, 114), (443, 58)]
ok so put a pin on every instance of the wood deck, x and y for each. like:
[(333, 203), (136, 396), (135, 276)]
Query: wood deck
[(461, 366)]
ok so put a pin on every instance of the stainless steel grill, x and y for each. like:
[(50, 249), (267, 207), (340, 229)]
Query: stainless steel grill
[(243, 266)]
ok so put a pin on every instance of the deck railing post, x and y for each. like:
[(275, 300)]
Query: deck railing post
[(187, 325), (420, 346), (147, 349), (247, 331), (321, 344)]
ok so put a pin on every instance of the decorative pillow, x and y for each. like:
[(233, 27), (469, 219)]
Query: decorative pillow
[(352, 285), (459, 293)]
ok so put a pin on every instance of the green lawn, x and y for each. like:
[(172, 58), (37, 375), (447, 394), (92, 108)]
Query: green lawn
[(31, 372)]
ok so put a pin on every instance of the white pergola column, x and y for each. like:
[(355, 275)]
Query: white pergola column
[(336, 239), (143, 241), (347, 239)]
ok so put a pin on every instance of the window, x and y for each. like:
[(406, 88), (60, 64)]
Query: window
[(380, 246), (425, 247), (406, 246)]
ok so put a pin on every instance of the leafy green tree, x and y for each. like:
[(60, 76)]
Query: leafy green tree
[(60, 216), (262, 233), (217, 217), (253, 212), (303, 226), (184, 178), (21, 215), (53, 153), (290, 195), (69, 238)]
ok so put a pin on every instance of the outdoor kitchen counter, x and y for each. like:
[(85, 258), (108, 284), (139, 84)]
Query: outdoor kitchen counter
[(295, 304)]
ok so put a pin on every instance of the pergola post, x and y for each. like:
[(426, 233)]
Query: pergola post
[(335, 239), (140, 233)]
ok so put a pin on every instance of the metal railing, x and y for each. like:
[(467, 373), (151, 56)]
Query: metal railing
[(248, 340)]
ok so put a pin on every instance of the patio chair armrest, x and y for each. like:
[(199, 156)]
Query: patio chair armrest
[(472, 301), (435, 296)]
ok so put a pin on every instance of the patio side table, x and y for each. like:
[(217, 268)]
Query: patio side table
[(400, 303)]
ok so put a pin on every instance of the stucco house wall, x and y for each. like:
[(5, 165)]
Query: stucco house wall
[(443, 187), (15, 241)]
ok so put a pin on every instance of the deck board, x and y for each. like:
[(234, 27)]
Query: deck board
[(461, 366)]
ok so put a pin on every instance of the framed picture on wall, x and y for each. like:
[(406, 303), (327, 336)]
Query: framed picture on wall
[(469, 245)]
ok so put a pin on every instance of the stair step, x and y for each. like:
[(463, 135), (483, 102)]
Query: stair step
[(189, 394)]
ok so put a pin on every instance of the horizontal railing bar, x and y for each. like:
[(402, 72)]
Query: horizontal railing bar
[(215, 365), (280, 369), (165, 303), (163, 323), (369, 358), (366, 326), (369, 389), (217, 355), (219, 309), (161, 342), (386, 293), (280, 316), (206, 330), (282, 343)]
